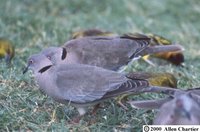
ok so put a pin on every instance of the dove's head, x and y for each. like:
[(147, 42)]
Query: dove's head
[(183, 106), (55, 54), (38, 63)]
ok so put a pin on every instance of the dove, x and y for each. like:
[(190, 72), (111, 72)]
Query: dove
[(157, 103), (82, 85), (111, 53), (182, 110), (176, 58)]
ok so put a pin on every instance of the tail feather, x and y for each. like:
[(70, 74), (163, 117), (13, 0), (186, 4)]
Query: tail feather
[(138, 86), (160, 49), (164, 90), (131, 86), (149, 104)]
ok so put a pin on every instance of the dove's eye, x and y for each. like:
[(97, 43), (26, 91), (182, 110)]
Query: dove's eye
[(31, 61)]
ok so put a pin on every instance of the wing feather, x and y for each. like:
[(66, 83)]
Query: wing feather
[(83, 83)]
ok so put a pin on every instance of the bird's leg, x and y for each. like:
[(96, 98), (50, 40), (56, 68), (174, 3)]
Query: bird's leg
[(119, 101), (96, 107), (77, 119), (146, 59), (7, 59), (53, 118)]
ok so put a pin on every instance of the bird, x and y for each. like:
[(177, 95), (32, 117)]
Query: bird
[(176, 58), (182, 110), (7, 50), (91, 32), (111, 53), (155, 79), (157, 103), (81, 85)]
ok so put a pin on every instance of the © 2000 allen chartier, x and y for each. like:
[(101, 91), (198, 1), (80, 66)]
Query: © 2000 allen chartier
[(171, 128)]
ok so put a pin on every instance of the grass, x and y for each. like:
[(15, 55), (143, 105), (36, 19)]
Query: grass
[(34, 25)]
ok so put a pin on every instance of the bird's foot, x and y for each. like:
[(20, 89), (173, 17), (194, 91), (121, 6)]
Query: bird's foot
[(96, 107), (122, 105), (149, 62), (53, 117), (75, 120)]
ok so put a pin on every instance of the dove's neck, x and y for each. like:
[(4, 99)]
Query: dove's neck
[(46, 82)]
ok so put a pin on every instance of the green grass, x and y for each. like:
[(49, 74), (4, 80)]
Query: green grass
[(34, 25)]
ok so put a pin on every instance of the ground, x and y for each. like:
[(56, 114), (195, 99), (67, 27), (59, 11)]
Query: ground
[(34, 25)]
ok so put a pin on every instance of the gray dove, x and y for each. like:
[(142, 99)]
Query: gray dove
[(157, 103), (80, 85), (182, 110), (108, 52)]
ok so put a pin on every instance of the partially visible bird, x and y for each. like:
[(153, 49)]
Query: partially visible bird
[(179, 108), (7, 50), (176, 58), (154, 79), (91, 32), (107, 52), (182, 110), (157, 103), (164, 79)]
